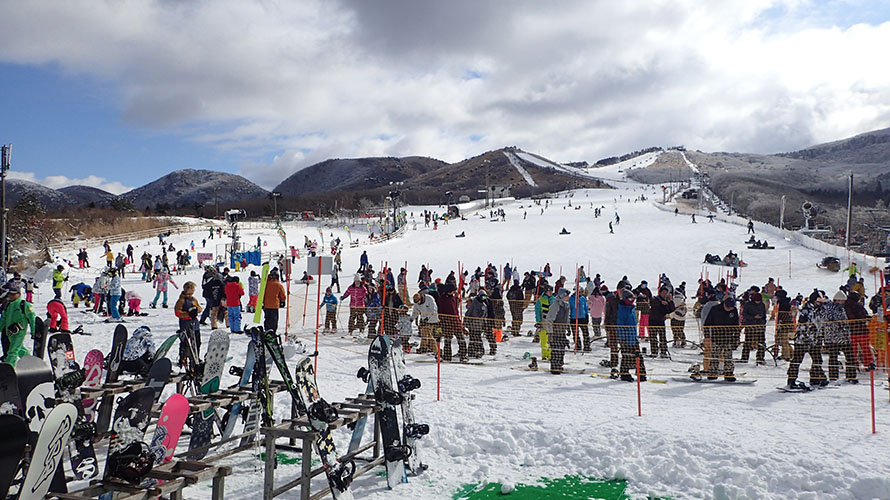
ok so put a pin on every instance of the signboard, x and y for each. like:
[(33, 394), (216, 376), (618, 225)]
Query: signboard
[(327, 265), (202, 256)]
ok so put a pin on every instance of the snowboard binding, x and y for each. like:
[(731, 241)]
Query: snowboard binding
[(408, 384), (84, 430), (72, 380), (236, 371), (321, 413), (132, 463), (342, 475), (388, 397), (397, 453), (363, 374), (416, 430)]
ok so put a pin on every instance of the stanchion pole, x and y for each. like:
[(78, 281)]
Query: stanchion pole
[(317, 312), (439, 367), (305, 303), (639, 397), (577, 303), (872, 377)]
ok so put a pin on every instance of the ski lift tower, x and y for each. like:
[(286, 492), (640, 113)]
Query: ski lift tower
[(233, 217)]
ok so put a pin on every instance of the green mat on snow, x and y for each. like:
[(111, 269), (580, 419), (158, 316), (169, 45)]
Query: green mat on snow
[(568, 487)]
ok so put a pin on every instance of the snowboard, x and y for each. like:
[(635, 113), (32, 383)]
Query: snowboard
[(202, 424), (14, 432), (258, 315), (38, 396), (92, 370), (10, 401), (261, 407), (69, 378), (39, 336), (339, 474), (165, 346), (128, 457), (704, 380), (158, 376), (46, 454), (170, 423), (411, 430), (359, 430), (112, 371), (245, 373), (380, 376)]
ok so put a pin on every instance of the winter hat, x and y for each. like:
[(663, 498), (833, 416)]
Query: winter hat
[(563, 292), (729, 301), (815, 296), (9, 288), (840, 295)]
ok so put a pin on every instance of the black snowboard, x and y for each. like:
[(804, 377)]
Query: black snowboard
[(10, 402), (13, 438), (129, 457), (69, 377), (387, 395), (38, 395), (39, 337), (113, 361), (158, 376)]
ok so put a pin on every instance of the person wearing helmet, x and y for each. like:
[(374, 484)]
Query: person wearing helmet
[(16, 319), (59, 280)]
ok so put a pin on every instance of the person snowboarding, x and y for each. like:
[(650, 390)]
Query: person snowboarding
[(16, 319), (807, 340), (750, 227), (723, 326), (329, 302)]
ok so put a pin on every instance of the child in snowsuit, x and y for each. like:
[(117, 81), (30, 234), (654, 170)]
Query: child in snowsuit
[(253, 290), (134, 301), (329, 302), (160, 286), (29, 290), (58, 316), (187, 310)]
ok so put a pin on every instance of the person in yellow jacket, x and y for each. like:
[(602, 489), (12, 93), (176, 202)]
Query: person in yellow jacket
[(542, 307)]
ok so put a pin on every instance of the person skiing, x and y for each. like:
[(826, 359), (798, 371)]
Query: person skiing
[(678, 318), (59, 280), (234, 291), (426, 312), (659, 308), (57, 314), (831, 319), (858, 318), (643, 298), (808, 340), (754, 321), (329, 302), (160, 284), (114, 293), (356, 293), (447, 303), (274, 299), (17, 318), (722, 324), (542, 307), (557, 324), (578, 315), (626, 330), (138, 352), (186, 310)]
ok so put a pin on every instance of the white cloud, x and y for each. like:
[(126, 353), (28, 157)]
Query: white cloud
[(574, 80), (60, 181)]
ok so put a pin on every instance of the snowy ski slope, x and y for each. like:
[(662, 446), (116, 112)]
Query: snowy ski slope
[(494, 423)]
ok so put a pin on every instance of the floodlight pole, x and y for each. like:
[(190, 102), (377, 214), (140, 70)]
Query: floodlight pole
[(849, 212), (5, 156)]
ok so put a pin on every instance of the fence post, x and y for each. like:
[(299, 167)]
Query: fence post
[(639, 397)]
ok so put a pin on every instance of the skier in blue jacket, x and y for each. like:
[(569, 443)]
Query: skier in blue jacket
[(581, 318), (627, 337)]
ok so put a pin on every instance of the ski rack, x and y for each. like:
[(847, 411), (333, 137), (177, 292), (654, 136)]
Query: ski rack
[(171, 479), (349, 411)]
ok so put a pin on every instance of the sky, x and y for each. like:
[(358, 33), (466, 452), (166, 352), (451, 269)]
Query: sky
[(114, 94)]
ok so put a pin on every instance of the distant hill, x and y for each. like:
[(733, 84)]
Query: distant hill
[(84, 195), (355, 174), (185, 188), (51, 199)]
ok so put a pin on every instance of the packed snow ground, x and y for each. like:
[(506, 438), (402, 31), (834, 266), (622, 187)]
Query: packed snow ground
[(494, 423)]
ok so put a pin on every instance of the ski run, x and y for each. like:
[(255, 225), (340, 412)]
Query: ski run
[(489, 420)]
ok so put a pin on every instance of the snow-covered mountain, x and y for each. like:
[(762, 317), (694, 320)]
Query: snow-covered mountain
[(184, 188)]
